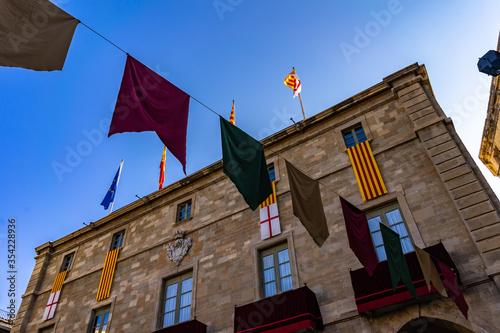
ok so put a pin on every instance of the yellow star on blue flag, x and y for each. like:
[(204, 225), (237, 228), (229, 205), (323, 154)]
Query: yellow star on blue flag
[(109, 198)]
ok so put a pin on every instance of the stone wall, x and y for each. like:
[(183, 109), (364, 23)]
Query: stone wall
[(424, 167)]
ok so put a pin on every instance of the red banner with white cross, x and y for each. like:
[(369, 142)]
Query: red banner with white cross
[(50, 309), (269, 216)]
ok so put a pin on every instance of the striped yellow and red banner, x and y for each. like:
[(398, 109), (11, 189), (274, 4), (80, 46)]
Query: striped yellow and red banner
[(231, 117), (292, 81), (107, 275), (58, 283), (51, 306), (270, 199), (162, 167), (366, 170), (269, 216)]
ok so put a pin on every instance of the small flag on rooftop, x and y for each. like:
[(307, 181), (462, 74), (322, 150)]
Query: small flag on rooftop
[(231, 117), (109, 198), (162, 167), (292, 81)]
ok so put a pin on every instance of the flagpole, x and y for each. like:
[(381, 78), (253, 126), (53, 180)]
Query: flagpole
[(117, 181), (301, 105)]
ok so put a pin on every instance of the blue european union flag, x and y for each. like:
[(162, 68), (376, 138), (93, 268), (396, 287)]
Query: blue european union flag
[(110, 195)]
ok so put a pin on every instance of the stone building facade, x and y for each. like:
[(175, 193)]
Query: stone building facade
[(489, 152), (431, 181)]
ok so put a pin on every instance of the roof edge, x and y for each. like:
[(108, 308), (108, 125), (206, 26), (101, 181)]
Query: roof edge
[(386, 84)]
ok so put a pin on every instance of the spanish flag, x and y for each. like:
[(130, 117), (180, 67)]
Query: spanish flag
[(366, 170), (162, 167), (292, 81), (231, 117)]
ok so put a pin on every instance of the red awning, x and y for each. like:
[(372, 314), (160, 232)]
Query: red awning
[(375, 292), (286, 312)]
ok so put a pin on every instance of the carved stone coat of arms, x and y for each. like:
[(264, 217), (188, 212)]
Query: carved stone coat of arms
[(177, 251)]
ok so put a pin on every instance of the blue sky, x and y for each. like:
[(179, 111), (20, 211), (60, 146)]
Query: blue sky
[(216, 51)]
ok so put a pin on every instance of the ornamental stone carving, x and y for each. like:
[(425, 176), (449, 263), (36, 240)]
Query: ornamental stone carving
[(177, 251)]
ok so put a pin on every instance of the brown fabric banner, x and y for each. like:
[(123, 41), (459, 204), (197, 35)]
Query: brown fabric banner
[(429, 270), (307, 204), (34, 34)]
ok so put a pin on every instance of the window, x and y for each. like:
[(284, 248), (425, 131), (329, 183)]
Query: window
[(390, 216), (272, 173), (354, 135), (100, 320), (496, 154), (177, 297), (67, 261), (184, 211), (48, 329), (277, 274), (117, 241)]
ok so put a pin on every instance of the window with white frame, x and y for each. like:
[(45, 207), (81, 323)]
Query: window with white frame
[(117, 241), (276, 270), (184, 211), (67, 261), (100, 320), (177, 299), (354, 135), (392, 217), (272, 172)]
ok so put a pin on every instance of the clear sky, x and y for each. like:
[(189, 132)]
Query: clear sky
[(216, 51)]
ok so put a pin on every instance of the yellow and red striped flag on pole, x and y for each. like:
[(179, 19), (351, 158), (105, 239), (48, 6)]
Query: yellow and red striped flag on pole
[(50, 309), (162, 167), (231, 117), (366, 170), (269, 216), (292, 81), (107, 275)]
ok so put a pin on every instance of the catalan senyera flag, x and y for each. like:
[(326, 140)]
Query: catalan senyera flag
[(269, 216), (107, 275), (231, 117), (50, 309), (292, 81), (162, 167), (366, 170)]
